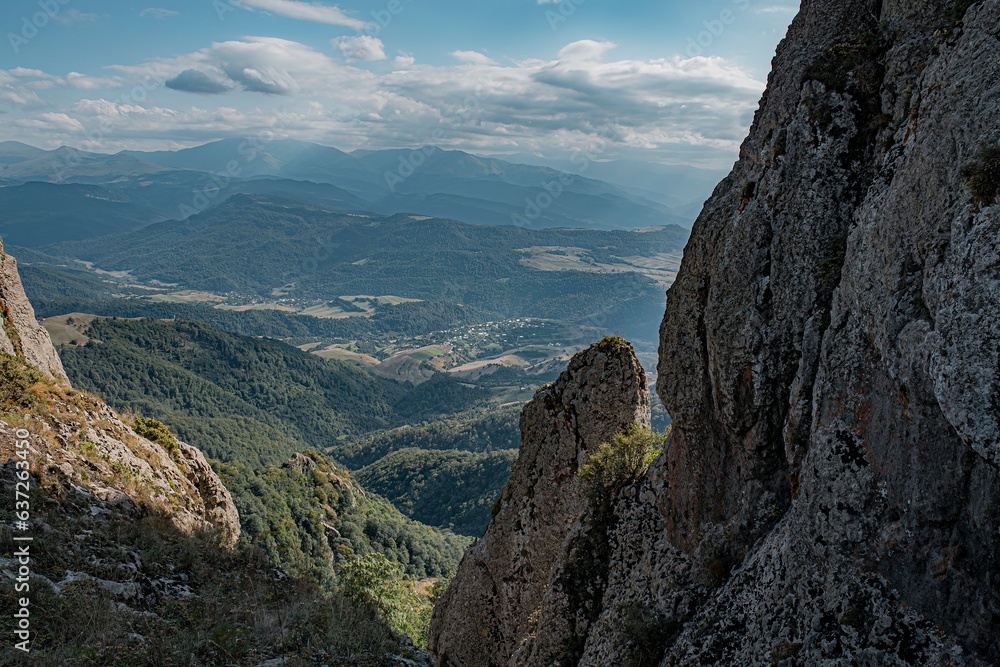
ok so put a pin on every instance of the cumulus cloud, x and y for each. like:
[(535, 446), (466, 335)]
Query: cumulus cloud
[(472, 57), (580, 98), (196, 81), (404, 61), (268, 65), (585, 49), (306, 11), (362, 47), (158, 13)]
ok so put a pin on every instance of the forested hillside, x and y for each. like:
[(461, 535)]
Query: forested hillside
[(312, 518), (476, 430), (247, 399), (310, 252), (447, 488), (255, 403), (237, 398)]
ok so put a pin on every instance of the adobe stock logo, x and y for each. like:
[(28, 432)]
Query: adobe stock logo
[(715, 28), (30, 25)]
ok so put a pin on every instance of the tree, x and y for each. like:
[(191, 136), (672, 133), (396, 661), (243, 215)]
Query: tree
[(621, 462), (374, 581)]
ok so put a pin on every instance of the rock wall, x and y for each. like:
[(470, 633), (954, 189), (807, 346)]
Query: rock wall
[(830, 493), (515, 578), (21, 334)]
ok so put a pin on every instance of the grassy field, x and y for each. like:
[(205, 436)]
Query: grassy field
[(480, 364), (188, 296), (258, 306), (404, 367), (62, 334), (426, 353), (339, 353), (661, 267), (330, 312), (388, 299), (64, 329)]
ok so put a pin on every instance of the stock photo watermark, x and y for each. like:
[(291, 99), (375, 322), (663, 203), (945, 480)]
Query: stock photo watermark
[(31, 25), (73, 158), (552, 190), (411, 162), (247, 152), (564, 9), (714, 28), (22, 542)]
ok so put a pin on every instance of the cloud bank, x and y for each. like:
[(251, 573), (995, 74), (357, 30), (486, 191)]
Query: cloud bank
[(668, 108)]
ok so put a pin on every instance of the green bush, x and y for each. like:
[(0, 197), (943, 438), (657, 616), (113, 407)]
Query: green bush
[(984, 174), (158, 432), (612, 344), (375, 582), (621, 462), (16, 381)]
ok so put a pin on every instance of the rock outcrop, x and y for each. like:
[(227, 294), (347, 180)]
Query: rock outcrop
[(519, 574), (21, 333), (830, 493)]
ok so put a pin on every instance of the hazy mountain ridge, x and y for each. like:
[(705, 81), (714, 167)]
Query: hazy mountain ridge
[(428, 181), (311, 252)]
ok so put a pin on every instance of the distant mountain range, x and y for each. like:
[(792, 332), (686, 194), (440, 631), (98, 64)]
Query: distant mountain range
[(131, 189)]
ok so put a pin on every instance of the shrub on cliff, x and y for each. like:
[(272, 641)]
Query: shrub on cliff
[(17, 379), (621, 462), (158, 432)]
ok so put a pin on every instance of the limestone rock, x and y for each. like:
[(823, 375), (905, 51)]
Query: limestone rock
[(505, 581), (21, 333)]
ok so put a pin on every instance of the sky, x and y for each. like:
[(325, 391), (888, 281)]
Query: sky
[(671, 82)]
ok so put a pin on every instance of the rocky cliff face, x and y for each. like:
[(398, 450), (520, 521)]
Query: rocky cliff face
[(21, 333), (830, 492), (522, 575)]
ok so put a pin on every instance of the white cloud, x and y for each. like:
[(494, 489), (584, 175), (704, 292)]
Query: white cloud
[(472, 57), (362, 47), (71, 16), (14, 94), (306, 11), (36, 79), (267, 65), (583, 97), (158, 13), (59, 122), (585, 49), (404, 61)]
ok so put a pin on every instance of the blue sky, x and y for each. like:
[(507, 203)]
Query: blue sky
[(664, 81)]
